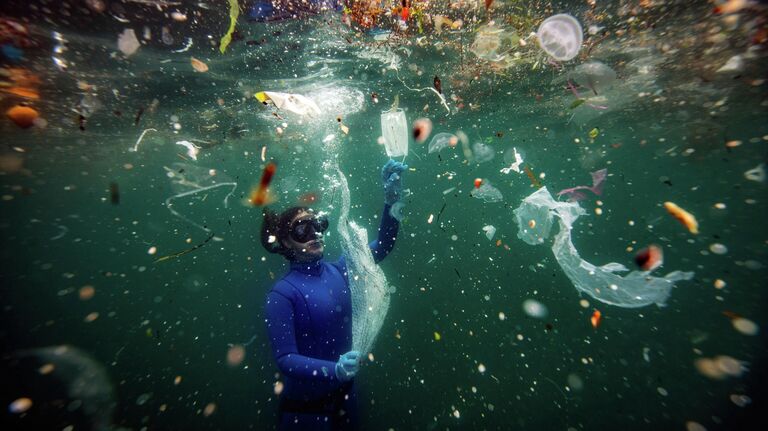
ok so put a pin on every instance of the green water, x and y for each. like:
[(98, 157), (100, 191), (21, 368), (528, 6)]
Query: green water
[(457, 350)]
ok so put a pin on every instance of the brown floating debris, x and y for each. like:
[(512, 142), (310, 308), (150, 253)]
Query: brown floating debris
[(114, 193)]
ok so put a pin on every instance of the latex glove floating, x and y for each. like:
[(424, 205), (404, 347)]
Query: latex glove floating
[(295, 103), (536, 216), (391, 176), (598, 181), (348, 366)]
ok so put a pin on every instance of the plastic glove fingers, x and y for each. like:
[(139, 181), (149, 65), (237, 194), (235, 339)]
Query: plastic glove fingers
[(399, 167), (386, 170), (354, 354), (393, 180)]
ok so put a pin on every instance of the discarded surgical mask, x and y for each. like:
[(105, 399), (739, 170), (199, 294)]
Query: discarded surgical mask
[(535, 217), (394, 129)]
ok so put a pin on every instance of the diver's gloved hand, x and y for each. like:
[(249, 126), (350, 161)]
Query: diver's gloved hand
[(391, 176), (348, 366)]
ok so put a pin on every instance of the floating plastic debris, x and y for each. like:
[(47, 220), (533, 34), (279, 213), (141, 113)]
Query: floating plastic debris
[(493, 43), (295, 103), (636, 289), (482, 153), (422, 128), (487, 193), (598, 181), (515, 166), (756, 174), (490, 231), (192, 149), (594, 75), (394, 129), (596, 318), (683, 216), (442, 140), (650, 258), (234, 12), (198, 65), (127, 42)]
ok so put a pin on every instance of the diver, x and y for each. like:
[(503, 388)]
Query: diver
[(309, 314)]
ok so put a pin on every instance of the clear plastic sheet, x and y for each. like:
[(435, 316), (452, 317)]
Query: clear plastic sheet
[(536, 217)]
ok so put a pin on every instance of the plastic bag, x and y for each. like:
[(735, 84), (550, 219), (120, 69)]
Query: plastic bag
[(535, 218), (295, 103), (394, 129)]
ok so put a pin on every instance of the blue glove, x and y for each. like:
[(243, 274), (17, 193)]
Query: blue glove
[(348, 366), (391, 176)]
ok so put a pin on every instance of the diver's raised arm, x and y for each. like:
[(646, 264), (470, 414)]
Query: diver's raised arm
[(391, 176)]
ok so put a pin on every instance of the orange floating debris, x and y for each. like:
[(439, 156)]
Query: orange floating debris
[(23, 116), (27, 93), (198, 65), (597, 316), (260, 195), (649, 258), (531, 176), (478, 182), (683, 216)]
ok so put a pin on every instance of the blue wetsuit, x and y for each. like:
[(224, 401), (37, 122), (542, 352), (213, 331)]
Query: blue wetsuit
[(309, 320)]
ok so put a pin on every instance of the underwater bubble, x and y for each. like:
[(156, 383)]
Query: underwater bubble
[(535, 308)]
